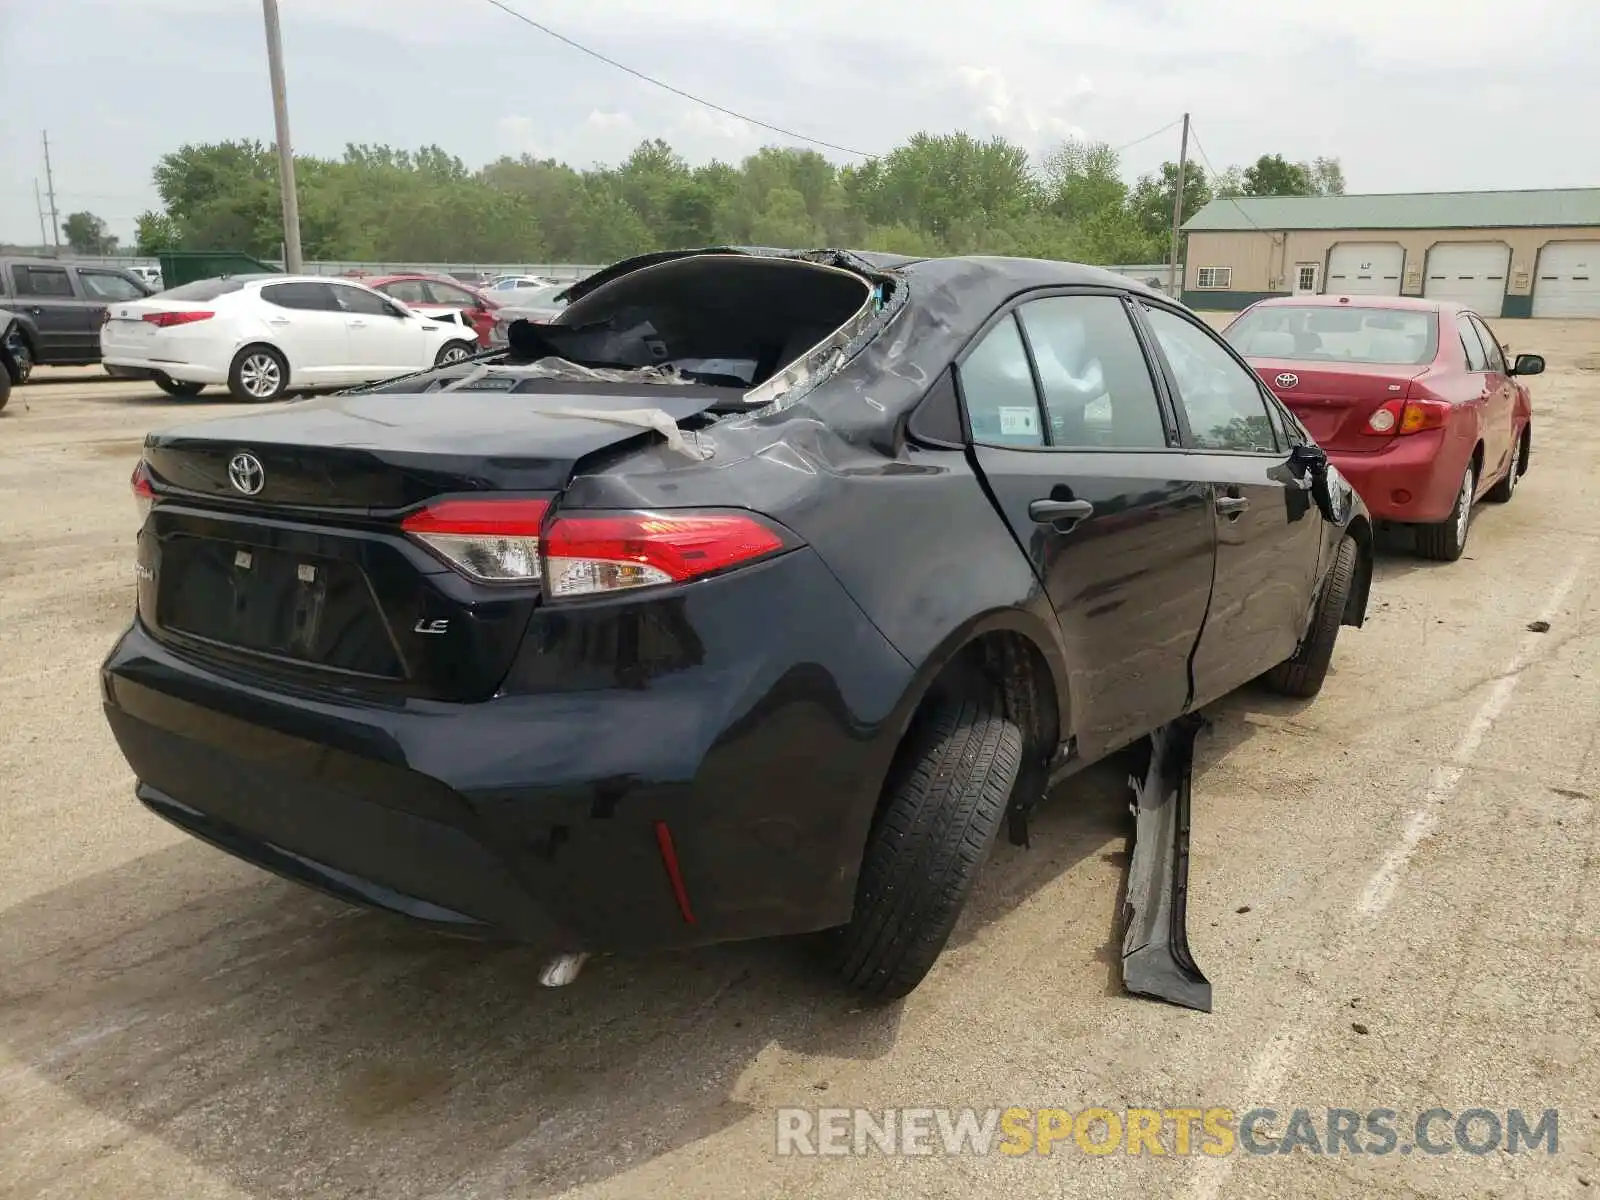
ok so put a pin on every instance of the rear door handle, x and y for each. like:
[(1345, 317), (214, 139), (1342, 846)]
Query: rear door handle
[(1232, 506), (357, 324), (1048, 512), (286, 321)]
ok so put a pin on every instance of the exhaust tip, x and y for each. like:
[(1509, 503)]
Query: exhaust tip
[(562, 969)]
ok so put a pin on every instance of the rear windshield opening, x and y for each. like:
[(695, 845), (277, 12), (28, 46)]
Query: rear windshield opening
[(727, 320), (1315, 333)]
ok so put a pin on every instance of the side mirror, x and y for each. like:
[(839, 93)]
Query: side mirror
[(1528, 364)]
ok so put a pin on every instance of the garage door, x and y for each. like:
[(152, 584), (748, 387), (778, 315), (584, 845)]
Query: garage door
[(1470, 273), (1365, 269), (1568, 282)]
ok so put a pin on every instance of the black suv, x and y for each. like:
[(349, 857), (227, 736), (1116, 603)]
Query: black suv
[(749, 598), (60, 306)]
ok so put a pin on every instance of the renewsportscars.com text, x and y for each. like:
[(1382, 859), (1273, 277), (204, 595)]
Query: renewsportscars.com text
[(1179, 1132)]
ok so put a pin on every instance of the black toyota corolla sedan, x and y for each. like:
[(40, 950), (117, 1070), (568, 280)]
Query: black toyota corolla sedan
[(750, 597)]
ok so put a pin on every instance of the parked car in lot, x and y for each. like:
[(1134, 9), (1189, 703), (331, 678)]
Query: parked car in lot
[(749, 597), (59, 306), (1413, 399), (12, 355), (527, 304), (264, 334), (440, 298), (512, 283)]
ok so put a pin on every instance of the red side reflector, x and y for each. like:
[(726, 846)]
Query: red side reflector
[(669, 859), (166, 319), (144, 493)]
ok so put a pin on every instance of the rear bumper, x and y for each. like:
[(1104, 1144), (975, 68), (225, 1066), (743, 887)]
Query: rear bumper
[(149, 368), (1413, 479), (535, 817)]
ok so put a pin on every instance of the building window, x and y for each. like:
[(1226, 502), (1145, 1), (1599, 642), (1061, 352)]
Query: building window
[(1214, 278), (1308, 278)]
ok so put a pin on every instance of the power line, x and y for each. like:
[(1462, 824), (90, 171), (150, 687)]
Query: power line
[(727, 112), (1212, 171), (1172, 124)]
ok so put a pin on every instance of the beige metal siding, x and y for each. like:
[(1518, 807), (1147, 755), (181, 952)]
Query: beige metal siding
[(1264, 261)]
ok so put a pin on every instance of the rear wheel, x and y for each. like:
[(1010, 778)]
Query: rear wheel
[(1503, 491), (454, 352), (943, 807), (177, 387), (24, 356), (5, 386), (1303, 674), (258, 374), (1445, 541)]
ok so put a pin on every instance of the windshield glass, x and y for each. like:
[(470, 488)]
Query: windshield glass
[(1318, 333)]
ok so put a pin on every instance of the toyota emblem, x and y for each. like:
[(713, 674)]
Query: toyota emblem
[(245, 473), (1287, 380)]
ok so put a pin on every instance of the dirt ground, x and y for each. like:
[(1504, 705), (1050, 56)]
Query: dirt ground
[(1396, 894)]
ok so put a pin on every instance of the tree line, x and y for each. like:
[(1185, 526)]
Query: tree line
[(934, 194)]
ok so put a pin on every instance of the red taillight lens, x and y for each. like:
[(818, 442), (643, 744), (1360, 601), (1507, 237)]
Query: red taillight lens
[(1398, 417), (166, 319), (593, 553), (144, 494), (492, 541)]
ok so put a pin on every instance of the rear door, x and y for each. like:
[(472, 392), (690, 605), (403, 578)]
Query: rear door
[(1268, 530), (1502, 403), (305, 321), (1482, 394), (1073, 439), (45, 294)]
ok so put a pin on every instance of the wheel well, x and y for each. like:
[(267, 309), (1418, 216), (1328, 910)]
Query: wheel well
[(1527, 447), (1477, 461), (288, 371)]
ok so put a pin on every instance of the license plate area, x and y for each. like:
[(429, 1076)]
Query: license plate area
[(308, 608)]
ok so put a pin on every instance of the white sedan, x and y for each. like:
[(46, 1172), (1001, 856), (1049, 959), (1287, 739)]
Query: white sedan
[(264, 334)]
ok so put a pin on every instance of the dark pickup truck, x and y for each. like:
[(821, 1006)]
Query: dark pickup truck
[(60, 305)]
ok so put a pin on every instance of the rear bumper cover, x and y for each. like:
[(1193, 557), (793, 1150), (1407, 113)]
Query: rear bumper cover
[(534, 816), (184, 372), (1427, 466)]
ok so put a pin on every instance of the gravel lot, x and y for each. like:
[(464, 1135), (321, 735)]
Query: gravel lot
[(1396, 894)]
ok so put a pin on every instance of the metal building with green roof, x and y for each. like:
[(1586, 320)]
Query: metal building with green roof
[(1514, 254)]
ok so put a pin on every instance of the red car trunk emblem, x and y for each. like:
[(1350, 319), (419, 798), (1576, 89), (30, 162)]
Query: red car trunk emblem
[(1287, 380)]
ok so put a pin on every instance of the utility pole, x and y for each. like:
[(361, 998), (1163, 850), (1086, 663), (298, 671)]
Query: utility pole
[(1177, 209), (50, 186), (38, 202), (280, 116)]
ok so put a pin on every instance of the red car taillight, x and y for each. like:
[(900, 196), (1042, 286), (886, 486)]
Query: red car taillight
[(1398, 417), (492, 541), (164, 319), (595, 552), (144, 494)]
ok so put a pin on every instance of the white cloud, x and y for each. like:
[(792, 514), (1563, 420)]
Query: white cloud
[(1032, 125), (613, 120)]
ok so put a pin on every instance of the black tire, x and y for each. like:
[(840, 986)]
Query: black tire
[(5, 387), (1502, 492), (25, 360), (945, 801), (251, 377), (1445, 541), (177, 387), (1303, 674), (452, 352)]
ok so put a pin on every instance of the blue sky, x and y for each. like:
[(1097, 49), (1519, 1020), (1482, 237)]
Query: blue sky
[(1410, 94)]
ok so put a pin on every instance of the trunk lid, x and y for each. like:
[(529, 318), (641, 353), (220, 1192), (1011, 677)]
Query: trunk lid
[(293, 564), (1333, 401)]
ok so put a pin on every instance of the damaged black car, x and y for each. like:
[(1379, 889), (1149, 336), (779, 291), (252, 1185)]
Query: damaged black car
[(753, 595)]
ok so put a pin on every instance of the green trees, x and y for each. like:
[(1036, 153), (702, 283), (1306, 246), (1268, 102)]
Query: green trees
[(86, 234), (936, 193)]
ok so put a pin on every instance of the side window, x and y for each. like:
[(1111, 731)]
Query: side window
[(1493, 354), (313, 296), (1222, 399), (41, 281), (103, 285), (357, 300), (998, 389), (443, 293), (1476, 360), (1098, 393), (408, 291)]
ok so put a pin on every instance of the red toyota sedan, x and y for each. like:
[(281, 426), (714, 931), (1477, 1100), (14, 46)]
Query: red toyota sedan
[(1413, 400), (434, 296)]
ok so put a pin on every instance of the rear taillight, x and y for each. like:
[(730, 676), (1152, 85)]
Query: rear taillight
[(165, 319), (144, 494), (492, 541), (1398, 417), (591, 553)]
